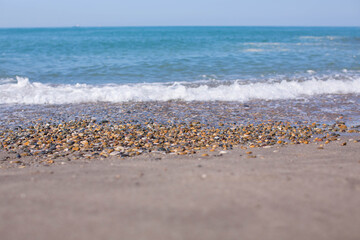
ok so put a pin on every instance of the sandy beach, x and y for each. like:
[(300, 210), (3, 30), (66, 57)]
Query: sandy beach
[(278, 192), (186, 121)]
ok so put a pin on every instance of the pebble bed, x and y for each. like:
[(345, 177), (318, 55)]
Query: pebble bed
[(101, 130), (90, 139)]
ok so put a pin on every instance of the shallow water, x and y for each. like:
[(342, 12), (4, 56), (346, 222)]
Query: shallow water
[(322, 109), (180, 74), (175, 54), (82, 65)]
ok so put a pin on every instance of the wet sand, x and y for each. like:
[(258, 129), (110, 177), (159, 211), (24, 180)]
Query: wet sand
[(285, 192), (275, 190), (321, 109)]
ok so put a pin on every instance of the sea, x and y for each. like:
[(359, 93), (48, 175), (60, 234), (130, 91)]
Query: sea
[(170, 74)]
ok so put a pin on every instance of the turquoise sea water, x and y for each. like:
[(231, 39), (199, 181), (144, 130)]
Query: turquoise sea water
[(72, 65)]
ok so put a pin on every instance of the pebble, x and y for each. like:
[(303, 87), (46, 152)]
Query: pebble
[(87, 138), (3, 159), (115, 153)]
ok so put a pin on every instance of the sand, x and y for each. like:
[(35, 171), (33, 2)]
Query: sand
[(287, 192)]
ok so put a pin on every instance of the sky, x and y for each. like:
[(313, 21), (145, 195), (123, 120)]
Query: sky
[(67, 13)]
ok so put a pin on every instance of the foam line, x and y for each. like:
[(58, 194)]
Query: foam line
[(22, 91)]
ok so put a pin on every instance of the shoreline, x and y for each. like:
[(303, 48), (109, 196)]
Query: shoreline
[(180, 134), (206, 171), (285, 192)]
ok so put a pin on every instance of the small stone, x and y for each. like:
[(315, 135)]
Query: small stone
[(161, 149), (4, 158), (115, 153), (17, 162), (119, 149)]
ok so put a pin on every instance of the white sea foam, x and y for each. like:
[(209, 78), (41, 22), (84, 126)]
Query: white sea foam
[(254, 50), (25, 92), (7, 80), (310, 71), (260, 44), (265, 50), (320, 37)]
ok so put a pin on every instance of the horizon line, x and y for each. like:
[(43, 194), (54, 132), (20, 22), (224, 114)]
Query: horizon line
[(153, 26)]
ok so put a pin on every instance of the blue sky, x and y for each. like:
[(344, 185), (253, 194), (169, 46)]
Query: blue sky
[(56, 13)]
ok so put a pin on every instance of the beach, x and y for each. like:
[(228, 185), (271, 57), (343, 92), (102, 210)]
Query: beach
[(181, 170), (282, 192), (179, 133)]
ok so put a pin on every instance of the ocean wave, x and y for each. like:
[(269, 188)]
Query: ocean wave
[(254, 50), (266, 50), (7, 80), (26, 92), (260, 44), (320, 37)]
